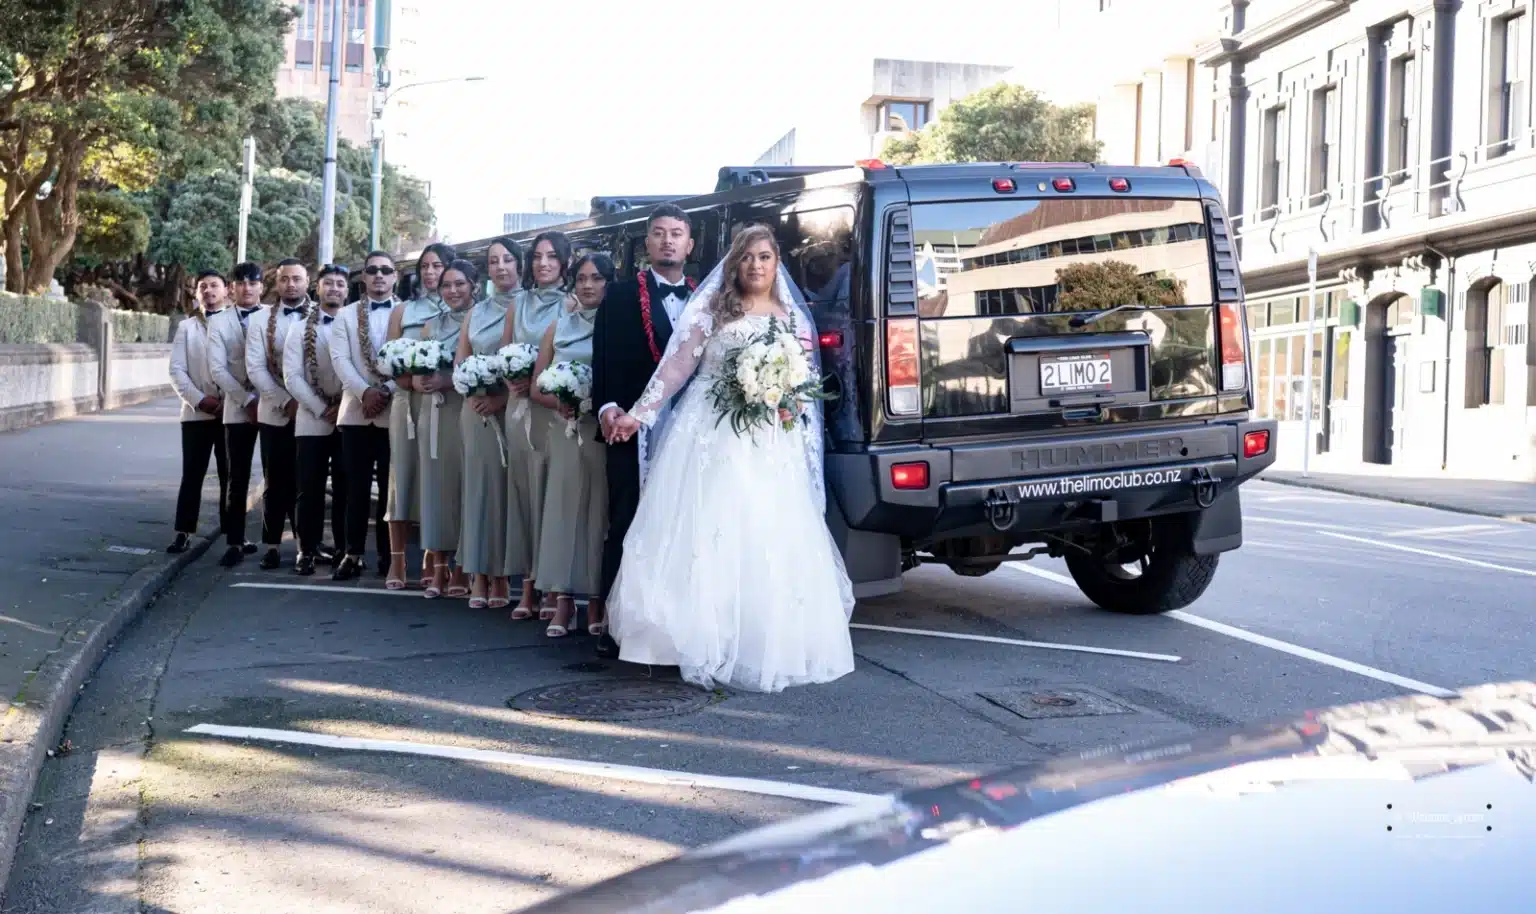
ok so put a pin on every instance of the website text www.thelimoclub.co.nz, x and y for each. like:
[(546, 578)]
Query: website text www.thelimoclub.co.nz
[(1106, 482)]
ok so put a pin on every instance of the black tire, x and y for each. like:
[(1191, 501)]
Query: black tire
[(1171, 577)]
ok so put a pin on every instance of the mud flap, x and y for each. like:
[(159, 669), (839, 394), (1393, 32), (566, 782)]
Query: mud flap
[(1219, 527)]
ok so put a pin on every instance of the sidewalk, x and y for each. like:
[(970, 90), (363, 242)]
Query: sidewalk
[(1484, 497), (86, 505)]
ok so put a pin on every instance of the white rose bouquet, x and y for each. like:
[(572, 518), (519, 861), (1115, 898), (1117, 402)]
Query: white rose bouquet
[(766, 381), (519, 359), (394, 355), (427, 357), (479, 375), (570, 383)]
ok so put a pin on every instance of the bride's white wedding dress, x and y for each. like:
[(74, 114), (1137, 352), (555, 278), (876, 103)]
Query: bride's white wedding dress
[(729, 570)]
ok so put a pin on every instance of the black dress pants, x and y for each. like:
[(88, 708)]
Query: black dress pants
[(365, 457), (279, 464), (240, 443), (319, 459), (198, 441), (623, 468)]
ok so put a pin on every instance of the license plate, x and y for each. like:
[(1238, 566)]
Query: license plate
[(1076, 373)]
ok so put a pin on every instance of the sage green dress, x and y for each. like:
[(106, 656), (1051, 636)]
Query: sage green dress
[(440, 448), (527, 437), (484, 543), (404, 498), (576, 492)]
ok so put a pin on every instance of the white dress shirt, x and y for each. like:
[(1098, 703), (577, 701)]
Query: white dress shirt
[(347, 357), (674, 307), (189, 369), (266, 369), (226, 362), (313, 403)]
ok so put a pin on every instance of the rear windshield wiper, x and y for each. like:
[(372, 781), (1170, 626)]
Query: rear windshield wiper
[(1079, 320)]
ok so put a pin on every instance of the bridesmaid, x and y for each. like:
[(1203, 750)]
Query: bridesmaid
[(536, 307), (439, 442), (576, 499), (483, 551), (408, 319)]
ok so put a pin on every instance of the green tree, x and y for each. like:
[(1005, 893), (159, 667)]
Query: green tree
[(113, 226), (1001, 123), (1090, 286), (111, 93)]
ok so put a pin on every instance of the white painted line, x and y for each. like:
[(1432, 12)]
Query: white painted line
[(1310, 525), (1318, 499), (1045, 645), (1296, 650), (1275, 644), (582, 767), (130, 550), (1434, 555), (333, 588), (1445, 531)]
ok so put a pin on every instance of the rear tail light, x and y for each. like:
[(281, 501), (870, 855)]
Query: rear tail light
[(869, 163), (831, 339), (903, 393), (909, 475), (1119, 185), (1234, 350), (1256, 443), (1064, 185), (1004, 185)]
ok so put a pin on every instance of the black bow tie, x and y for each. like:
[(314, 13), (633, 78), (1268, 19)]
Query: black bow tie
[(244, 314), (681, 290), (297, 309), (374, 306), (327, 318)]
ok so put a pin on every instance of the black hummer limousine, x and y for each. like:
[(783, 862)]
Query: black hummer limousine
[(1050, 356)]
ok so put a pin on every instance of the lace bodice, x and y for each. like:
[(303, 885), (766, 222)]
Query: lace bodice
[(702, 353)]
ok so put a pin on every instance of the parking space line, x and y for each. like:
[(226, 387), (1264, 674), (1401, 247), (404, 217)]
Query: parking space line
[(1274, 644), (1446, 531), (1434, 555), (1044, 645), (582, 767), (1310, 525)]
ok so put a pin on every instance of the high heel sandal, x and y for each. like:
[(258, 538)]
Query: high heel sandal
[(555, 629), (600, 626), (477, 602), (499, 602), (459, 592), (433, 591), (547, 610), (428, 571), (395, 583)]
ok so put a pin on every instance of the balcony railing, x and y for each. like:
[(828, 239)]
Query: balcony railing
[(1465, 182)]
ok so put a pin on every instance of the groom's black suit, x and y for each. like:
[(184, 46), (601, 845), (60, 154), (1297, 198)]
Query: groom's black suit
[(622, 364)]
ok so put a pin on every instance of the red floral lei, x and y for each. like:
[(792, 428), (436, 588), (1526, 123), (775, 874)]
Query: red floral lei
[(645, 311)]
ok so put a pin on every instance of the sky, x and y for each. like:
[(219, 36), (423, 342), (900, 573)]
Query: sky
[(621, 97)]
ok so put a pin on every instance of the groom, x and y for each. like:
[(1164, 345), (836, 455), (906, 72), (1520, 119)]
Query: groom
[(630, 334)]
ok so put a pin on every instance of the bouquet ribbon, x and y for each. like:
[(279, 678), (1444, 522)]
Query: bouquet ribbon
[(410, 420), (523, 416), (437, 406)]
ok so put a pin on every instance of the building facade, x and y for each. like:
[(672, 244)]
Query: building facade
[(1392, 139), (305, 70), (541, 211)]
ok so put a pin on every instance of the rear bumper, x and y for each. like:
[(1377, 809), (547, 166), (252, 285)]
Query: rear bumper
[(1042, 485)]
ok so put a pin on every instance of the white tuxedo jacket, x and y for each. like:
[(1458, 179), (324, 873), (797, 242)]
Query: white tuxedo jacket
[(266, 368), (313, 402), (347, 357), (226, 362), (189, 369)]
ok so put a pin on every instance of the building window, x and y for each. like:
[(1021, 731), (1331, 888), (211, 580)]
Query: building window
[(1280, 376), (357, 34), (1340, 377), (1505, 331), (904, 116), (1402, 92), (304, 35), (1511, 73), (1325, 143), (1273, 188)]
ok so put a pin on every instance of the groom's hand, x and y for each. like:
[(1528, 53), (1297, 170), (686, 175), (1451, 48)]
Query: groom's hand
[(605, 422)]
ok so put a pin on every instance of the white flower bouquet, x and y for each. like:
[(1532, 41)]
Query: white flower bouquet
[(428, 357), (393, 356), (571, 384), (479, 375), (520, 358), (765, 381)]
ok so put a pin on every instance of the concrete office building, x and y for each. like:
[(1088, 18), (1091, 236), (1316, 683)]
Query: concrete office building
[(305, 70)]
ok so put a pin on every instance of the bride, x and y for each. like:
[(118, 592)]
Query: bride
[(729, 572)]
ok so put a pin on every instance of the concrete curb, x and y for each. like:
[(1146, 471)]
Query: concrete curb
[(30, 730), (1399, 499)]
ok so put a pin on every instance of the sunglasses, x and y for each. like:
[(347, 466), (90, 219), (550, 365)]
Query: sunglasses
[(379, 271)]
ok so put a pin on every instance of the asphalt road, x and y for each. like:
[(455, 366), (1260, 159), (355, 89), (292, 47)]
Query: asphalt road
[(1333, 599)]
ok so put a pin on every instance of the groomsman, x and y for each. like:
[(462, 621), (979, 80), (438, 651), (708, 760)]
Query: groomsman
[(361, 328), (202, 433), (264, 338), (226, 362), (627, 344), (311, 378)]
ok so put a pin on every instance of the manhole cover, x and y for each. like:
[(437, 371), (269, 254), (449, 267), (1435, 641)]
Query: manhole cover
[(1055, 703), (616, 699)]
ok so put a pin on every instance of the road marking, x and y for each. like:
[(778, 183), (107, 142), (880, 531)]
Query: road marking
[(1445, 531), (660, 776), (1310, 525), (1046, 645), (1275, 644), (1320, 499), (1434, 555)]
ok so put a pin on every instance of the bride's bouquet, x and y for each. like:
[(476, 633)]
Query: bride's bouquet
[(765, 381), (479, 375), (571, 384)]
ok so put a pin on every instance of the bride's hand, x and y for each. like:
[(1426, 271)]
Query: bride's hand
[(624, 427)]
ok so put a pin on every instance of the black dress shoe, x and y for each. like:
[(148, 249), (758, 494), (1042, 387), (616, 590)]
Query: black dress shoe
[(326, 555), (271, 560), (178, 545), (305, 566), (383, 566), (607, 648), (248, 549), (233, 556), (348, 569)]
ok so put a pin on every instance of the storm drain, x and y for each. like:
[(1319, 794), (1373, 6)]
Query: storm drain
[(1055, 703), (618, 699)]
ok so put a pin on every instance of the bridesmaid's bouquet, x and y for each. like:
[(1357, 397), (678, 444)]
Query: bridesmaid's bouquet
[(393, 356), (428, 357), (766, 380), (479, 375), (571, 384), (520, 359)]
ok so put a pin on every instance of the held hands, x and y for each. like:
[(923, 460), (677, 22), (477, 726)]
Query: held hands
[(487, 406), (210, 405), (375, 401), (250, 411), (406, 382), (292, 409), (432, 383), (521, 386), (329, 416), (622, 427)]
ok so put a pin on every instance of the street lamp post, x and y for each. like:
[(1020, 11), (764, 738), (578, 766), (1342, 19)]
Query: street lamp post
[(378, 145), (328, 182)]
